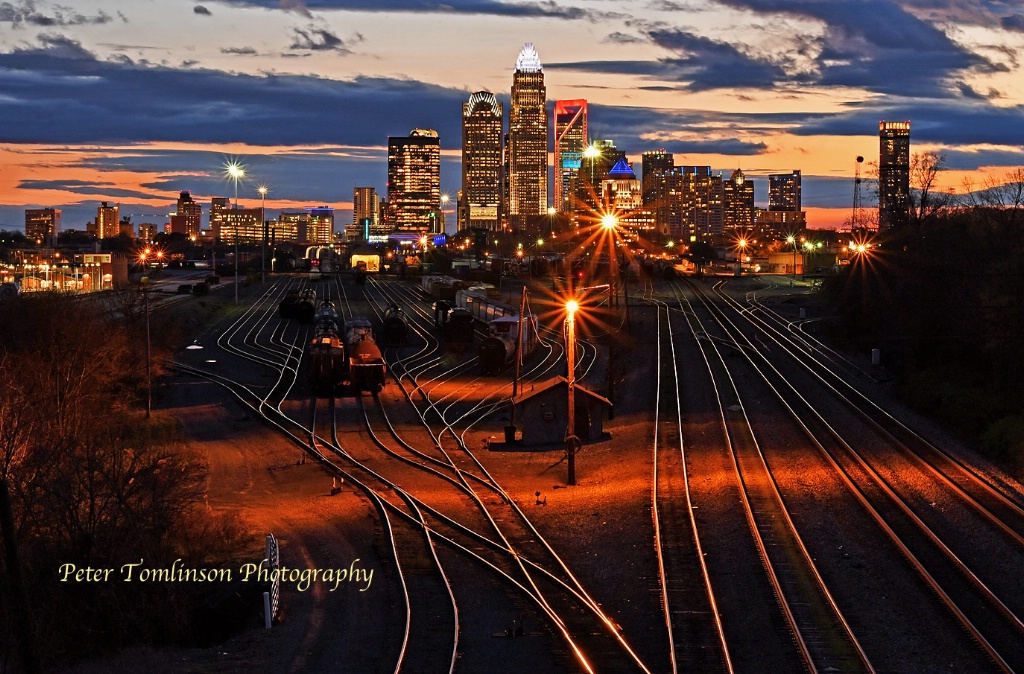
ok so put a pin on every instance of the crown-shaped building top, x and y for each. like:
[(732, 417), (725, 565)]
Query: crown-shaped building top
[(529, 60), (622, 170)]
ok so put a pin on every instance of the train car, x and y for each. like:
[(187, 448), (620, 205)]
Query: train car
[(326, 313), (326, 365), (484, 308), (285, 308), (457, 329), (359, 276), (305, 308), (498, 349), (394, 328), (365, 363)]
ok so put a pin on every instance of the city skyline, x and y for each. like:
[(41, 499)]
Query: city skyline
[(133, 104)]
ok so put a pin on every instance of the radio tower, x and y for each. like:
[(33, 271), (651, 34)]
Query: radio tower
[(855, 218)]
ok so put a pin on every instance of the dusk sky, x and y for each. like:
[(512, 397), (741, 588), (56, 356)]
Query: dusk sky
[(132, 101)]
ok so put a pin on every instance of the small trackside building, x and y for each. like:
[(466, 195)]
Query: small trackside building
[(541, 412)]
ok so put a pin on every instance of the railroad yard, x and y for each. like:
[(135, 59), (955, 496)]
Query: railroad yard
[(756, 503)]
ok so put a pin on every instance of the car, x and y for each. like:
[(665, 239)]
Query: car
[(213, 280), (185, 289)]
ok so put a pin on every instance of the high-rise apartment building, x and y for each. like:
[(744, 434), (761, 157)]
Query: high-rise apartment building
[(738, 202), (893, 173), (43, 225), (320, 227), (481, 199), (527, 141), (243, 223), (661, 185), (414, 181), (701, 197), (108, 221), (570, 120), (784, 192)]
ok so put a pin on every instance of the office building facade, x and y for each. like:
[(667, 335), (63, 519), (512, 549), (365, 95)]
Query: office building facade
[(414, 181), (108, 221), (784, 192), (43, 225), (738, 203), (480, 203), (366, 213), (570, 122), (527, 141), (893, 173)]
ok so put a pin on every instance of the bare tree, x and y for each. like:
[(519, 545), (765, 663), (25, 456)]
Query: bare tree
[(925, 199)]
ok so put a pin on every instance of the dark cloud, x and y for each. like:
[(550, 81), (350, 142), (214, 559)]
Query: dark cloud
[(317, 39), (25, 12), (1013, 22), (709, 64), (242, 51), (101, 190), (199, 9), (545, 8)]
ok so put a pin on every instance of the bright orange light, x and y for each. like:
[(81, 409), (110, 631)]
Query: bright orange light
[(742, 243), (572, 306), (609, 221), (262, 189)]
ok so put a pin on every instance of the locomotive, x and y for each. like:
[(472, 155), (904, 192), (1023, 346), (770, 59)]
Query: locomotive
[(365, 363), (326, 365), (300, 305), (394, 328)]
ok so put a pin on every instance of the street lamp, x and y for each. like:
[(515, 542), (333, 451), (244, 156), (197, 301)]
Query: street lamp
[(262, 189), (235, 172), (144, 258), (791, 240), (570, 349)]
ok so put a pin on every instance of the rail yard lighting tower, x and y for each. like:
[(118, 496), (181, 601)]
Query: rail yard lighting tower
[(791, 240), (144, 259), (571, 307)]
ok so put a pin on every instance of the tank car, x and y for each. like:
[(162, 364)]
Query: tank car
[(365, 362), (394, 328), (326, 313), (498, 349), (325, 365)]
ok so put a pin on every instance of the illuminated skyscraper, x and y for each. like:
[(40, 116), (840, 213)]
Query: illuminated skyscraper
[(784, 192), (187, 220), (738, 202), (527, 141), (366, 214), (218, 207), (414, 181), (893, 173), (108, 221), (42, 225), (481, 162), (570, 141)]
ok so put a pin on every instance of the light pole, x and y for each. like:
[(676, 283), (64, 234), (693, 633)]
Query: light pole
[(570, 350), (144, 256), (235, 172), (262, 189), (791, 240)]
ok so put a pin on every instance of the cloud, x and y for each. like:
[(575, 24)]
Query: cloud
[(317, 39), (25, 12), (103, 190), (1014, 22), (199, 9), (543, 8), (242, 51)]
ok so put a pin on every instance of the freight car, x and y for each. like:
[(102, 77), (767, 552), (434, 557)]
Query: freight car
[(498, 349), (365, 363), (299, 305), (326, 366)]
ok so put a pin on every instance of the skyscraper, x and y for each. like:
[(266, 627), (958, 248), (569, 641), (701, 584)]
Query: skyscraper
[(43, 225), (108, 221), (661, 186), (187, 220), (366, 213), (738, 202), (414, 181), (527, 141), (784, 192), (481, 198), (570, 119), (218, 210), (893, 173)]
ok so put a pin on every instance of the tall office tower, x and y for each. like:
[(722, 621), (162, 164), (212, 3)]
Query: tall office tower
[(219, 206), (893, 173), (189, 217), (738, 202), (108, 221), (42, 225), (701, 203), (480, 203), (527, 141), (414, 181), (366, 215), (784, 192), (570, 120), (660, 181)]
